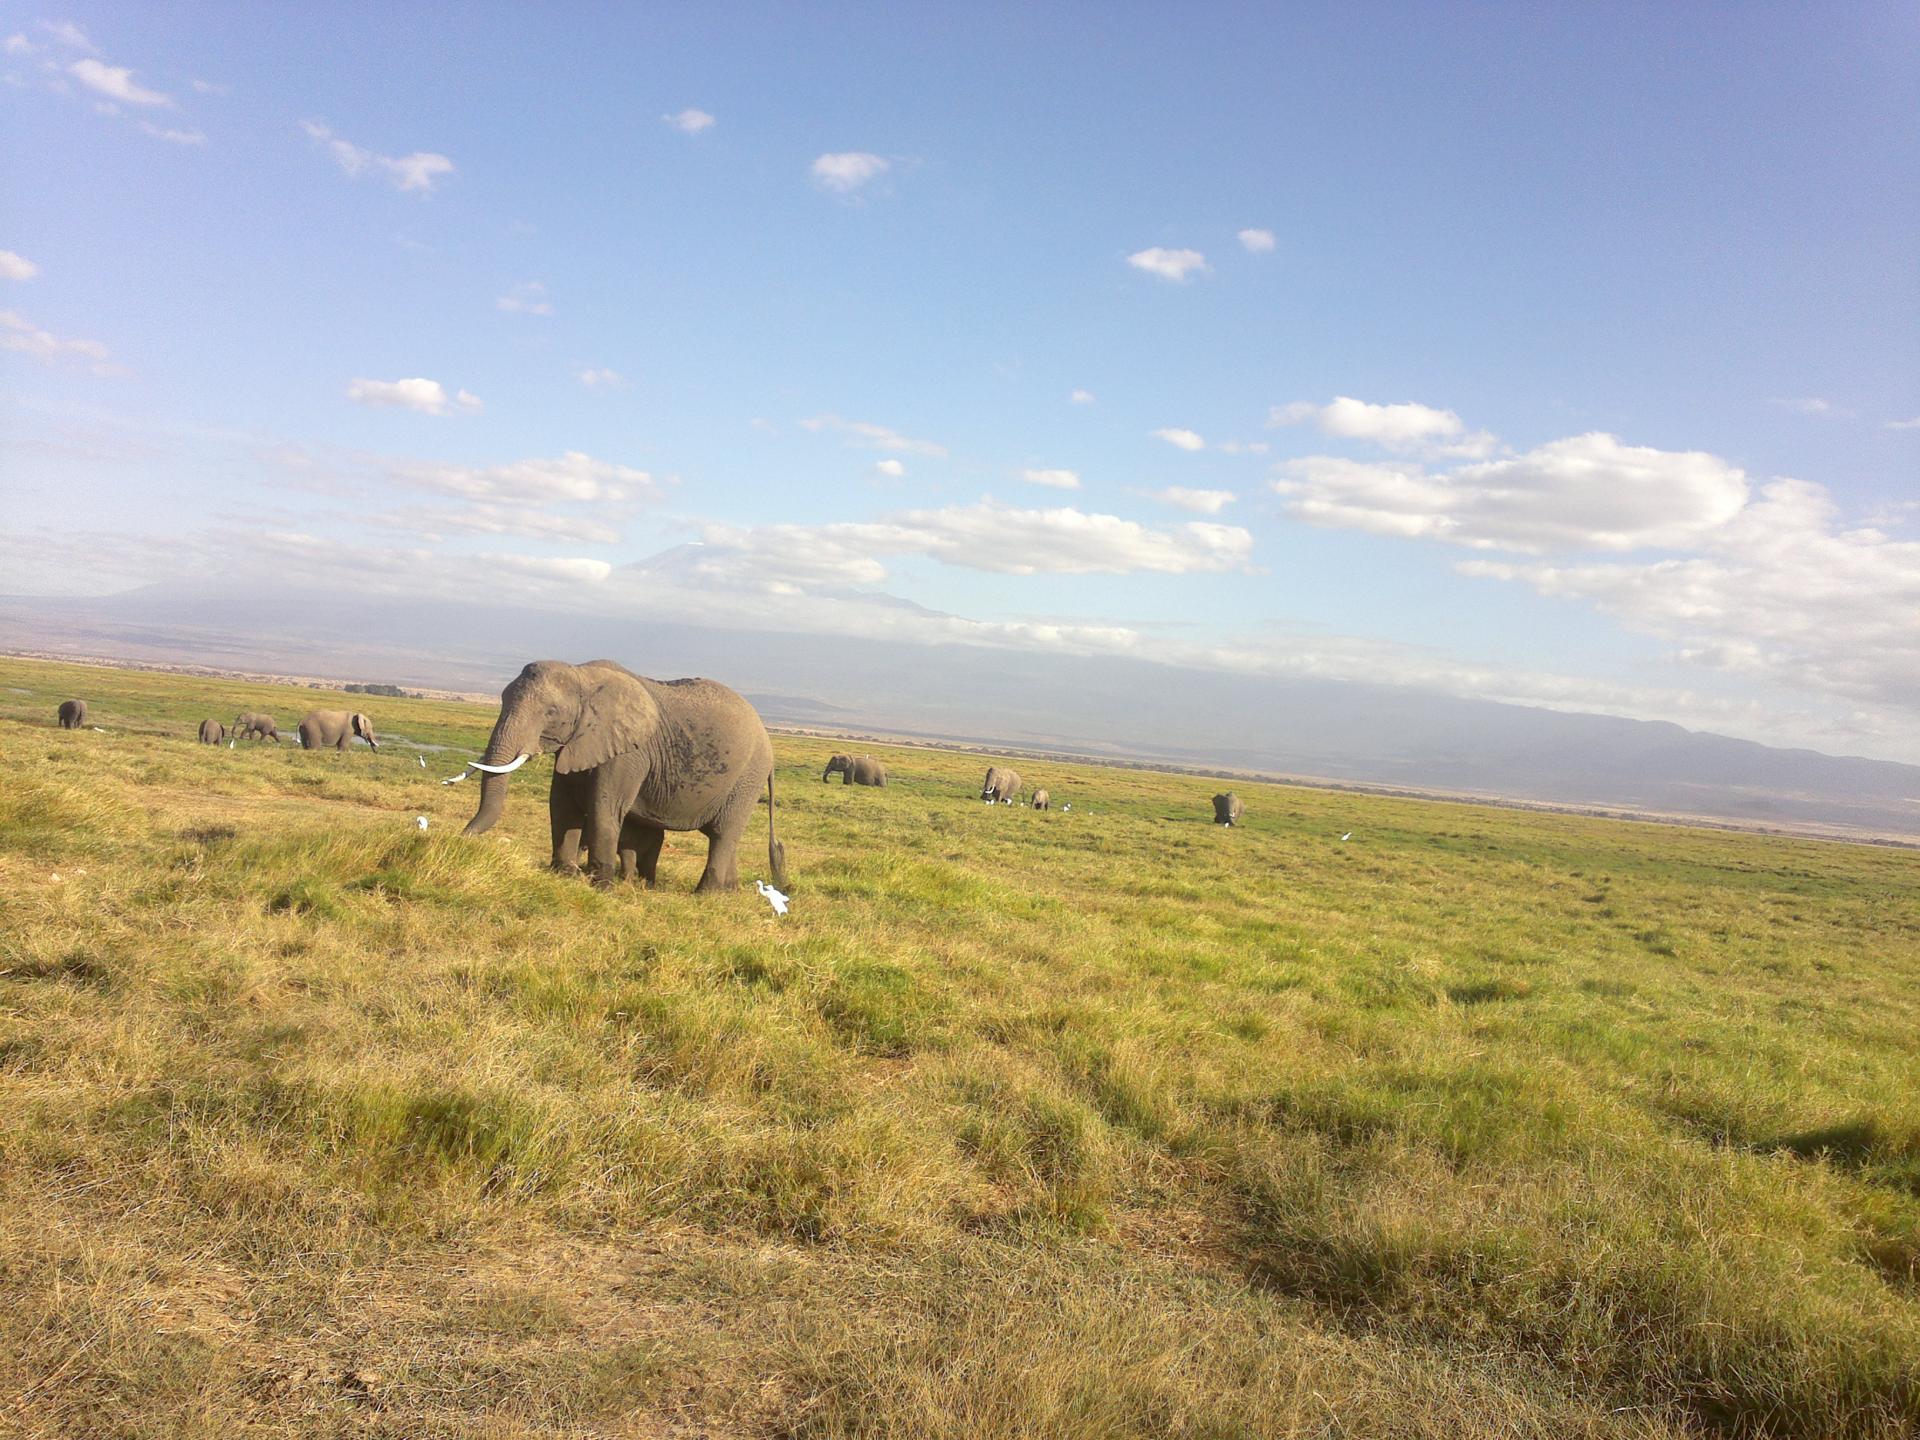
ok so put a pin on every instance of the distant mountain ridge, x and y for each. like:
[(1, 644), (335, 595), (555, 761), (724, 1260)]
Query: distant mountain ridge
[(1122, 708)]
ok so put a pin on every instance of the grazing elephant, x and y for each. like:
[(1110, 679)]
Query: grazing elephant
[(212, 732), (633, 759), (855, 770), (73, 714), (250, 726), (1227, 809), (1042, 800), (335, 728), (1000, 784)]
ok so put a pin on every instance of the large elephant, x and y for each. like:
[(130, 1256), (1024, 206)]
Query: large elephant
[(322, 729), (855, 770), (248, 725), (73, 714), (1042, 800), (633, 759), (1000, 784), (1227, 809), (212, 732)]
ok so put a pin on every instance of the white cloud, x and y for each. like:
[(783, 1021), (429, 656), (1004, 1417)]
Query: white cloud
[(16, 267), (892, 469), (1181, 439), (18, 44), (1201, 502), (1813, 405), (689, 121), (420, 171), (1588, 492), (573, 476), (985, 536), (846, 171), (601, 380), (174, 137), (23, 337), (1081, 397), (207, 87), (1243, 447), (432, 524), (866, 434), (1257, 242), (65, 32), (426, 397), (1393, 427), (1913, 424), (1175, 265), (1781, 592), (1058, 479), (527, 298), (116, 82)]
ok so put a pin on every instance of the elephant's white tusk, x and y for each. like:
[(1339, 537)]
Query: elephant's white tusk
[(499, 769)]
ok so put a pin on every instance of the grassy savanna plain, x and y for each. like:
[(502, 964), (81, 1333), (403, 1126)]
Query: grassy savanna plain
[(1102, 1123)]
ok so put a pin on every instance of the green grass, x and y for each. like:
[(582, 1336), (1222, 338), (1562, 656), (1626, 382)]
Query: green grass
[(1108, 1123)]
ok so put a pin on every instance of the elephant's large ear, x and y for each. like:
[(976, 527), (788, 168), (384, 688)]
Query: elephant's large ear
[(616, 715)]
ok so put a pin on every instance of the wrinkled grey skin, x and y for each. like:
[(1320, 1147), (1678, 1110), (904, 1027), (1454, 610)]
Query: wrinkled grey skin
[(1000, 784), (1042, 800), (73, 714), (633, 759), (855, 770), (335, 728), (1227, 809), (212, 732), (250, 726)]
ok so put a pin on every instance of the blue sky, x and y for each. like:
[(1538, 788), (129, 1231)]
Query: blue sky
[(1566, 359)]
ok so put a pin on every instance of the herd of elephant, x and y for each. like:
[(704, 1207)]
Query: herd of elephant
[(632, 759), (320, 730)]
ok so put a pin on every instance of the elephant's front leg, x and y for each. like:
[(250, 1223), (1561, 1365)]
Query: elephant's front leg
[(567, 813)]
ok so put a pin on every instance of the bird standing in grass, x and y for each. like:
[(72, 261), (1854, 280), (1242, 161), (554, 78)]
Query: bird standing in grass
[(772, 896)]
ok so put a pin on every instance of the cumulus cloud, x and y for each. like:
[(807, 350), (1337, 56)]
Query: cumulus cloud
[(1201, 502), (1085, 397), (116, 82), (65, 32), (527, 298), (1588, 492), (1057, 479), (420, 171), (1243, 447), (892, 469), (1782, 591), (1174, 265), (487, 518), (425, 397), (1400, 428), (867, 435), (1913, 424), (1180, 439), (17, 44), (22, 337), (689, 121), (172, 136), (573, 476), (1258, 242), (602, 379), (1813, 405), (1001, 539), (846, 171), (16, 267)]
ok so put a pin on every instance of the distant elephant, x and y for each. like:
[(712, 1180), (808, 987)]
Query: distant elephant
[(855, 770), (250, 726), (73, 714), (1000, 784), (212, 732), (1227, 809), (1042, 800), (335, 728), (634, 758)]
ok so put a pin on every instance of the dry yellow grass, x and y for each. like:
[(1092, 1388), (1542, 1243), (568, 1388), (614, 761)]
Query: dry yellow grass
[(1105, 1123)]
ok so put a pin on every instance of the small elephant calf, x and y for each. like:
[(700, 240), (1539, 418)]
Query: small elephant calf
[(1227, 809), (1042, 800), (73, 714), (212, 732)]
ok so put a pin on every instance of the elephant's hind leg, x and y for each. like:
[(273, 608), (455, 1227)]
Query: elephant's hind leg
[(723, 837), (640, 845)]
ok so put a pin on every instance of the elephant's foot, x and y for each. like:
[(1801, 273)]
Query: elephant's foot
[(604, 878)]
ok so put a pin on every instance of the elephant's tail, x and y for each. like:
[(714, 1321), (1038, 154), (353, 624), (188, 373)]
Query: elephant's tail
[(776, 853)]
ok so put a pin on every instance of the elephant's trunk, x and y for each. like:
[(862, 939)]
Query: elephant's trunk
[(512, 740)]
